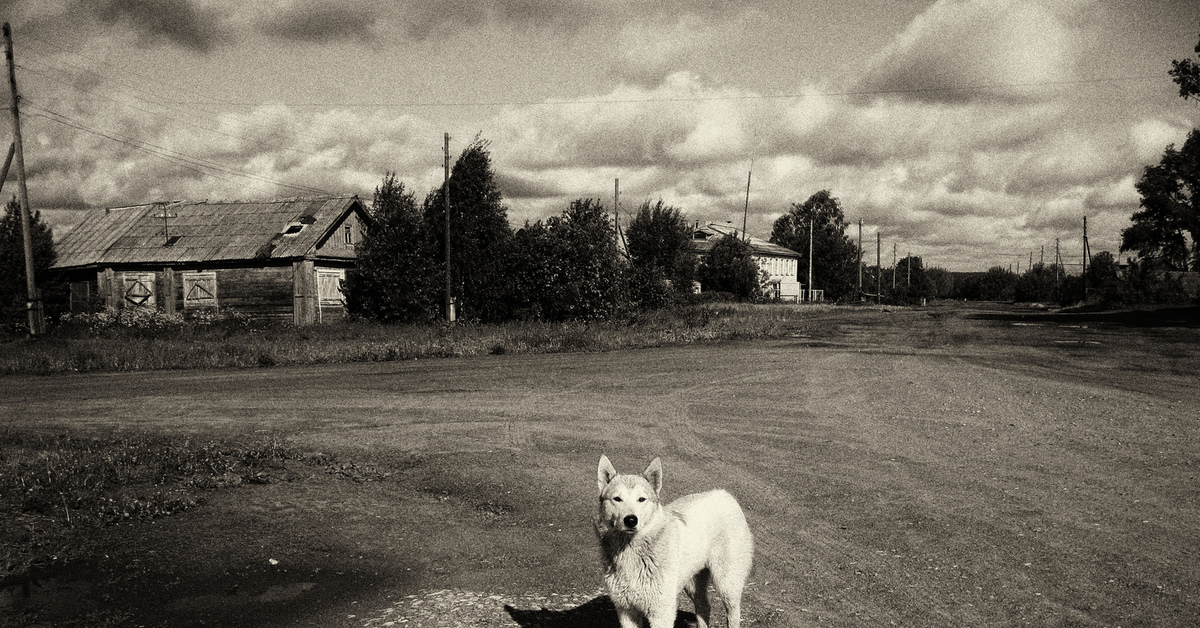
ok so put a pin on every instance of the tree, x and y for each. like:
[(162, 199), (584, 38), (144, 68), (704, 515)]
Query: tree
[(12, 262), (479, 234), (997, 284), (1166, 231), (659, 240), (835, 257), (396, 279), (730, 267), (1186, 74), (1167, 228), (566, 268)]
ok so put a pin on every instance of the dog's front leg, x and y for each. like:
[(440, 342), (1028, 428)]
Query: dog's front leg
[(629, 617), (663, 614)]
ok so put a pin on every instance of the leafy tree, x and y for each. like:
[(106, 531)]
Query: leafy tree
[(1036, 285), (1186, 74), (566, 268), (912, 284), (659, 241), (1167, 228), (730, 267), (835, 257), (397, 278), (1166, 231), (12, 263), (479, 234), (997, 284)]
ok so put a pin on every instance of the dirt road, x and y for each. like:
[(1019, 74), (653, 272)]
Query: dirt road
[(925, 467)]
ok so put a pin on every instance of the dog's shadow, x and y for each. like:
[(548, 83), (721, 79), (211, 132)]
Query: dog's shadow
[(596, 613)]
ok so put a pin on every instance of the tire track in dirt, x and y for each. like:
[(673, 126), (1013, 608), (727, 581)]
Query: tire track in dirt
[(795, 570)]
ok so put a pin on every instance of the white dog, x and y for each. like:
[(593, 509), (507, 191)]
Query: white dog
[(652, 552)]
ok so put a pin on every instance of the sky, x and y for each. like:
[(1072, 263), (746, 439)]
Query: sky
[(971, 133)]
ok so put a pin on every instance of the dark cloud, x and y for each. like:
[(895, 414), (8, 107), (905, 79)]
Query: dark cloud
[(425, 19), (514, 186), (322, 23), (176, 22)]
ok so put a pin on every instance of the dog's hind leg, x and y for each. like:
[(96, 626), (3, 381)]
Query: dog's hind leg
[(697, 589), (729, 585)]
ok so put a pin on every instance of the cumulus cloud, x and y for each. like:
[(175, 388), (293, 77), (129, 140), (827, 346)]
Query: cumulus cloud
[(962, 50)]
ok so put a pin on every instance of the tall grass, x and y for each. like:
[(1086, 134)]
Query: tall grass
[(191, 346)]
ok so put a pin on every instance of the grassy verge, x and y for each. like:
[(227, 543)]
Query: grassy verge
[(55, 490), (191, 346)]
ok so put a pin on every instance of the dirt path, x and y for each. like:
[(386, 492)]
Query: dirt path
[(919, 468)]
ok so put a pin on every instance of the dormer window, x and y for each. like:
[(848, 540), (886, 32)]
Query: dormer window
[(293, 229)]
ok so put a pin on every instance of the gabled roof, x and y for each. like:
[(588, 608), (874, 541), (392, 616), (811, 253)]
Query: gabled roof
[(203, 231), (704, 237)]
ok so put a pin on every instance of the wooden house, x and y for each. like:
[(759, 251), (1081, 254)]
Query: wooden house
[(780, 263), (281, 259)]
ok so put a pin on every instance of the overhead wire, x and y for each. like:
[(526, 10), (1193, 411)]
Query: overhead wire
[(191, 163)]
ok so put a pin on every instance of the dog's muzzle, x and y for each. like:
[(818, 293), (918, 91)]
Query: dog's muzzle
[(630, 521)]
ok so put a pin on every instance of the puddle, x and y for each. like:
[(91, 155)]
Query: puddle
[(46, 594), (274, 593)]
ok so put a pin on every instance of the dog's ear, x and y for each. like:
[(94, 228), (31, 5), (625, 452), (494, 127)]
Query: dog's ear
[(605, 472), (653, 474)]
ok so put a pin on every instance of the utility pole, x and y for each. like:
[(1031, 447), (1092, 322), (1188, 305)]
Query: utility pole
[(746, 211), (617, 216), (860, 268), (450, 314), (894, 266), (33, 298), (878, 269), (1086, 259), (908, 269), (1057, 265), (1042, 256), (811, 223)]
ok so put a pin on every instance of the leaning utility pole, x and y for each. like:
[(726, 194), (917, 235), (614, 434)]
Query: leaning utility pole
[(33, 298), (446, 206), (1086, 258)]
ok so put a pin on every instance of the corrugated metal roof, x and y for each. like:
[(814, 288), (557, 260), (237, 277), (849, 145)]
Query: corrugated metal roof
[(202, 231), (704, 237)]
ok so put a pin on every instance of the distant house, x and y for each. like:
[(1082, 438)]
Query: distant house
[(780, 263), (282, 259)]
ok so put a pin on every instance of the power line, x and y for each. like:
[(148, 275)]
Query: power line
[(191, 163)]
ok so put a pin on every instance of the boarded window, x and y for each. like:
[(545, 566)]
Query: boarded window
[(329, 286), (200, 289), (139, 289)]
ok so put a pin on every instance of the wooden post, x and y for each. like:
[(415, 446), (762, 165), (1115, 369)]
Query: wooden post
[(811, 225), (746, 210), (304, 293), (446, 207), (878, 268), (168, 291), (860, 268), (33, 297)]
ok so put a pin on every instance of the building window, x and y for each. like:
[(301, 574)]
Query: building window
[(349, 235), (139, 289), (200, 289), (329, 286)]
